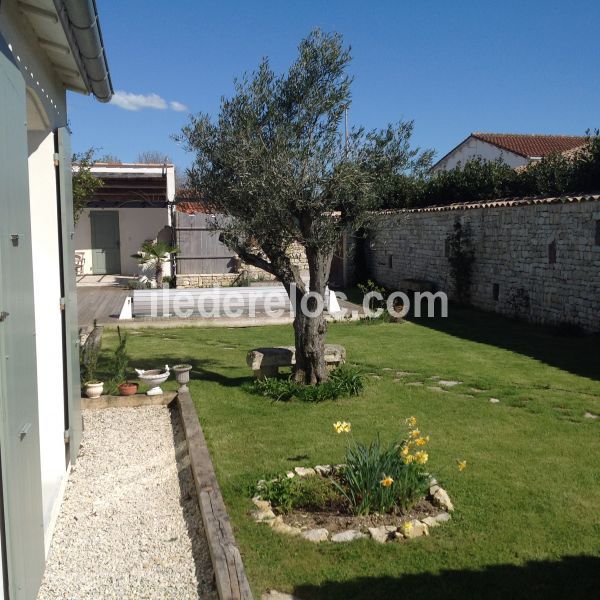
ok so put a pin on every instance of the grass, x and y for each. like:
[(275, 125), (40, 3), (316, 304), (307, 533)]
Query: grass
[(526, 523)]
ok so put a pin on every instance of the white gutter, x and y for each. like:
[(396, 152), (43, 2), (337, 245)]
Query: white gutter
[(79, 19)]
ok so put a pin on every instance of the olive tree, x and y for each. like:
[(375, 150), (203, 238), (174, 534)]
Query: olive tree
[(278, 164)]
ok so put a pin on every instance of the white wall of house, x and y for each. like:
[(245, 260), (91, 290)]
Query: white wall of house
[(46, 110), (473, 147), (48, 323), (136, 225)]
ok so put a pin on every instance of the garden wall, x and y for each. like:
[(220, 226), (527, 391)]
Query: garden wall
[(538, 260)]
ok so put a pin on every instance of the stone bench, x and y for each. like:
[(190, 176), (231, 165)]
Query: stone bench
[(265, 362)]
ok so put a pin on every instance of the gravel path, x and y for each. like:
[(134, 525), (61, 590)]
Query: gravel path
[(130, 526)]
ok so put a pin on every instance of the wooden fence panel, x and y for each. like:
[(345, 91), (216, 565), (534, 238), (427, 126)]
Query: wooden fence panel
[(200, 250)]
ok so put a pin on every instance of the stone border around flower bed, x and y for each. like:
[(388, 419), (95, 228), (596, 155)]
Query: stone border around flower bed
[(385, 533)]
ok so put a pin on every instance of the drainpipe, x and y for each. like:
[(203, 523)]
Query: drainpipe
[(79, 19)]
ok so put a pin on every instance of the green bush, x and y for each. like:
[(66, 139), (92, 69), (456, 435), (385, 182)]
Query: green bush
[(311, 493), (343, 381)]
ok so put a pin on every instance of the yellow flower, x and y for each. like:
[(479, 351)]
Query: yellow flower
[(415, 433), (341, 427), (404, 451), (408, 459), (386, 481), (411, 421), (422, 441), (462, 465), (421, 457), (406, 527)]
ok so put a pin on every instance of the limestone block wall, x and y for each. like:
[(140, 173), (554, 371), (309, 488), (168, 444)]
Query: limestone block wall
[(538, 260)]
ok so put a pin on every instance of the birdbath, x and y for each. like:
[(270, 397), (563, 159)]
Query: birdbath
[(182, 374), (153, 378)]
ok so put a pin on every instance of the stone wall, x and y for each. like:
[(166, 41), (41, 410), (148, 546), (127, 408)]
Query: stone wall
[(537, 260)]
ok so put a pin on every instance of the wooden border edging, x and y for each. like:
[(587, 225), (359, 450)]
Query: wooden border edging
[(133, 401), (230, 577)]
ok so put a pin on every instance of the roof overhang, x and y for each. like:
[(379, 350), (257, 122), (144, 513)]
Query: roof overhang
[(69, 33)]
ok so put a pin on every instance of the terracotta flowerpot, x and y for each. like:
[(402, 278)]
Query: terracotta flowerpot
[(128, 389)]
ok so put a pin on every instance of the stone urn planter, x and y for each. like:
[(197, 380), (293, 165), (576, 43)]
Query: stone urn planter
[(93, 389), (182, 374), (128, 389), (153, 378)]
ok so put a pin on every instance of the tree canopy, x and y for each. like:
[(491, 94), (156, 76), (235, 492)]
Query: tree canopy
[(277, 162)]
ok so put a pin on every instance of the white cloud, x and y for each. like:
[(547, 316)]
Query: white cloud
[(178, 106), (129, 101)]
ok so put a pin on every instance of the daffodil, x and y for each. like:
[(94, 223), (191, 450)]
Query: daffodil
[(411, 421), (386, 481), (421, 457), (415, 433), (341, 427), (408, 459), (462, 465), (422, 441), (406, 527), (404, 451)]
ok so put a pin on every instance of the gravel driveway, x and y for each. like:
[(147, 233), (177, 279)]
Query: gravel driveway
[(130, 526)]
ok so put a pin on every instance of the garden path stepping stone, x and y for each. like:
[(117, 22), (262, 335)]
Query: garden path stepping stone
[(494, 400), (403, 373), (448, 382), (589, 415)]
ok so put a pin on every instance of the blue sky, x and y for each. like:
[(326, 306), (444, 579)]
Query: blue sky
[(454, 67)]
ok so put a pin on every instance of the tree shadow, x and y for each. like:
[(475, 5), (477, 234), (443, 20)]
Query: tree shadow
[(566, 350), (572, 577)]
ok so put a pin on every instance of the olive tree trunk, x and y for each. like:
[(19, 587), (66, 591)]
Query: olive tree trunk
[(310, 325)]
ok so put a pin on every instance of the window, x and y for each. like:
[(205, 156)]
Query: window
[(496, 291), (552, 252)]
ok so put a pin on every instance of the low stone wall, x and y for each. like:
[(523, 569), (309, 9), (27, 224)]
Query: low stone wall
[(538, 260), (205, 280)]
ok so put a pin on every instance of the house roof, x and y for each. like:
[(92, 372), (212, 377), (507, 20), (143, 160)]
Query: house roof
[(532, 145)]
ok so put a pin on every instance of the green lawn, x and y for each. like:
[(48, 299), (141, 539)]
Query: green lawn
[(527, 508)]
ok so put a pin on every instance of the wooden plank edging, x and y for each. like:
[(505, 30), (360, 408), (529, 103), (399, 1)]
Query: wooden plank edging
[(230, 576)]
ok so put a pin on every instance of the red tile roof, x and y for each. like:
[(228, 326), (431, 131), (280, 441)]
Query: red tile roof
[(532, 145)]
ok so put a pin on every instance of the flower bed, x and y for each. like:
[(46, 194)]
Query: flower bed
[(380, 491)]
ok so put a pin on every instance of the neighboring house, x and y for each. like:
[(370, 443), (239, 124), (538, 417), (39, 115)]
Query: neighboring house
[(133, 205), (46, 48), (515, 149)]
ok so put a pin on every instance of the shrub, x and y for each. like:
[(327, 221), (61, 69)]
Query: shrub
[(303, 493), (378, 478), (343, 381)]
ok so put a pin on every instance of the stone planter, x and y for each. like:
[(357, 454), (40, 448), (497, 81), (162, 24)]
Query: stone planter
[(153, 379), (128, 389), (182, 375), (94, 389)]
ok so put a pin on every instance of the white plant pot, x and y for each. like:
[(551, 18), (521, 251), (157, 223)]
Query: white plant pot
[(94, 390), (153, 379), (182, 374)]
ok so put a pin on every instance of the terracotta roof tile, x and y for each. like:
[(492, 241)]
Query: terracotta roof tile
[(532, 145)]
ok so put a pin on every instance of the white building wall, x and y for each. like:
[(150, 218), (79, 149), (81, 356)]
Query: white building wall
[(473, 147), (136, 225), (48, 321), (46, 110)]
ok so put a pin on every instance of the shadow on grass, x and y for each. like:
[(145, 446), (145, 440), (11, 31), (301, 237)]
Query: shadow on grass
[(573, 353), (573, 577)]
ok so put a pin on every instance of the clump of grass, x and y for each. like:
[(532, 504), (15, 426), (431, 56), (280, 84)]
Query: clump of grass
[(343, 382)]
